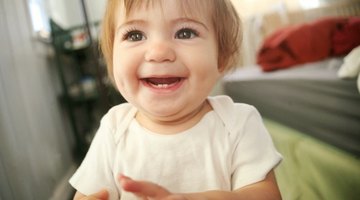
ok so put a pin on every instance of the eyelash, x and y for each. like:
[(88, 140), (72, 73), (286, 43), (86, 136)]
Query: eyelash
[(128, 33), (191, 30)]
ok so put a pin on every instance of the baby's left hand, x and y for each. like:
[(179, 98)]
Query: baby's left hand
[(147, 190)]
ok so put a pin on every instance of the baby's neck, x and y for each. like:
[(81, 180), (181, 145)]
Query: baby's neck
[(173, 126)]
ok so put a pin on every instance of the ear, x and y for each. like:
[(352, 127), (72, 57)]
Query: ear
[(221, 67), (222, 64)]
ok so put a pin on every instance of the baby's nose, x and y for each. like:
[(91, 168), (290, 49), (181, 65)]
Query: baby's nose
[(160, 51)]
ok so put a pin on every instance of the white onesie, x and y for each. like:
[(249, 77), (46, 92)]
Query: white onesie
[(228, 149)]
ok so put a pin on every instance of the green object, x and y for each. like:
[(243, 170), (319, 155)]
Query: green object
[(62, 38), (311, 169)]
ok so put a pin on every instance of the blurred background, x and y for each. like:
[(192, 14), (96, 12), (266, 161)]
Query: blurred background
[(54, 88)]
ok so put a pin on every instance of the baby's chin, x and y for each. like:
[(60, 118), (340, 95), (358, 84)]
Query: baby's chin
[(175, 115), (164, 114)]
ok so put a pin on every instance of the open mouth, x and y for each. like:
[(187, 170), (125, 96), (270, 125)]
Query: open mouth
[(162, 83)]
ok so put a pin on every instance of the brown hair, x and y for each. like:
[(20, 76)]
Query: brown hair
[(225, 19)]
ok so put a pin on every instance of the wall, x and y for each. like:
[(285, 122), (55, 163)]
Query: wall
[(248, 8), (35, 145)]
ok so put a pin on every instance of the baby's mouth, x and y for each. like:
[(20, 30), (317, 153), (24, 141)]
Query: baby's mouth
[(162, 83)]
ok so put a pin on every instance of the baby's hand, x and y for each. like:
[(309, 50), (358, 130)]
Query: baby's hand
[(101, 195), (147, 190)]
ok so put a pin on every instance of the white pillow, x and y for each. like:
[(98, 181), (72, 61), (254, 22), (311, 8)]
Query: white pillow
[(358, 82), (351, 66)]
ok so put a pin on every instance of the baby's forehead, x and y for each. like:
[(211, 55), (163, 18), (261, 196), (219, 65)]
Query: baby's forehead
[(188, 8)]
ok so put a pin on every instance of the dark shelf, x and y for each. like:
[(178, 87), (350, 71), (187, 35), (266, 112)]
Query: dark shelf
[(80, 99), (85, 95), (81, 81)]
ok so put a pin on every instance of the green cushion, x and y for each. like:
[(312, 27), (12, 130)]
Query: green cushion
[(311, 169)]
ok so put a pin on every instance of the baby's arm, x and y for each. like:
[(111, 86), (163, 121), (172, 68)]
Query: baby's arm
[(101, 195), (266, 189)]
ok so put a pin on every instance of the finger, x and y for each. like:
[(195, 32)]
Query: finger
[(101, 195), (143, 188)]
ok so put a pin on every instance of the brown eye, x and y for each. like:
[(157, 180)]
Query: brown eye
[(134, 36), (186, 33)]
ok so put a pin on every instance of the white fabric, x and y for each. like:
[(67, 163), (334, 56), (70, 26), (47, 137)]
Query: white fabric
[(351, 66), (228, 149), (358, 83)]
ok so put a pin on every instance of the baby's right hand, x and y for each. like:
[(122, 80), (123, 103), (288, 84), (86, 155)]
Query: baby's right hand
[(101, 195)]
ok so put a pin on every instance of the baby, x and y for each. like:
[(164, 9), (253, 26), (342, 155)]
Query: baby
[(175, 142)]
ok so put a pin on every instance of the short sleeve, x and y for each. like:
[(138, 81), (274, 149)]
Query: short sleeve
[(255, 154), (95, 172)]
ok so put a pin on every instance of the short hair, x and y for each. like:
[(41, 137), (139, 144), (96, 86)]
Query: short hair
[(225, 19)]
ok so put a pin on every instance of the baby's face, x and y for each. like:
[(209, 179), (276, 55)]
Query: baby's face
[(165, 62)]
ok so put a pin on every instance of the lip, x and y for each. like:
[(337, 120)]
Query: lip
[(166, 87)]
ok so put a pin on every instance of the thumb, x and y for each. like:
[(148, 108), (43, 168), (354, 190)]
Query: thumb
[(101, 195)]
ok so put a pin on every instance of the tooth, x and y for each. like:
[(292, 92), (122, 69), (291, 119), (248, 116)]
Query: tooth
[(162, 85)]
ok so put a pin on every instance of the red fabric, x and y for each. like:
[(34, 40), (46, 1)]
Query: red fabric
[(300, 44), (347, 37)]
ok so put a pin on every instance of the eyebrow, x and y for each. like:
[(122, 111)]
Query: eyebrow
[(185, 19), (175, 21), (131, 22)]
